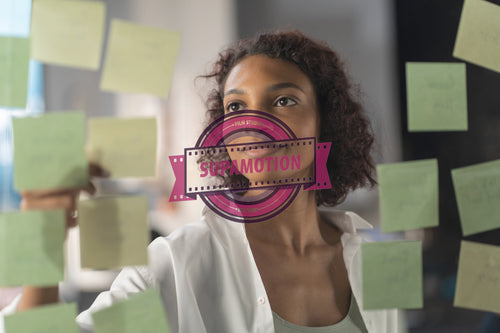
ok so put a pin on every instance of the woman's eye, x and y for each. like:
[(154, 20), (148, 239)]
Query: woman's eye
[(233, 107), (285, 101)]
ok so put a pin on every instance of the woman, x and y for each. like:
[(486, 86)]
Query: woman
[(296, 272)]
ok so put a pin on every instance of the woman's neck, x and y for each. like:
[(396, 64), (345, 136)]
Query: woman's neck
[(298, 227)]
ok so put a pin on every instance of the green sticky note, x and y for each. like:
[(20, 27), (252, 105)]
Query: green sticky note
[(49, 151), (57, 318), (392, 275), (68, 33), (14, 68), (436, 96), (113, 232), (477, 189), (478, 37), (31, 248), (139, 59), (408, 195), (124, 147), (142, 312), (478, 277)]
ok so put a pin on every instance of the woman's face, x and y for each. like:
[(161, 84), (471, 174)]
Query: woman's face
[(279, 87)]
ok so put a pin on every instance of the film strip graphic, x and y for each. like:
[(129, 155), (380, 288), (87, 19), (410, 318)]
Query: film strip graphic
[(210, 170)]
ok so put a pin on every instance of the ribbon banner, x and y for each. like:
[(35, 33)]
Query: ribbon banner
[(246, 151)]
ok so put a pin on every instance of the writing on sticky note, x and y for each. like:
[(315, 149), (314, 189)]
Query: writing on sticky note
[(409, 197), (392, 275), (436, 96), (14, 68), (478, 277), (113, 232), (68, 33), (477, 190), (58, 318), (49, 151), (142, 312), (31, 248), (478, 36), (139, 59), (124, 147)]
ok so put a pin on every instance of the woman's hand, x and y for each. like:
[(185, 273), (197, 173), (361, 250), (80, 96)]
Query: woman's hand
[(61, 198), (53, 199)]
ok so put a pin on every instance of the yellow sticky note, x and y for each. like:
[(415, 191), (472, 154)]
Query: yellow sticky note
[(49, 151), (478, 37), (477, 189), (124, 147), (113, 232), (437, 96), (68, 33), (139, 59), (392, 275), (54, 318), (31, 248), (14, 68), (141, 312), (409, 195), (478, 278)]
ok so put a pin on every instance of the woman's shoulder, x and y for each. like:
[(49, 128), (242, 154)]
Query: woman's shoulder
[(346, 221)]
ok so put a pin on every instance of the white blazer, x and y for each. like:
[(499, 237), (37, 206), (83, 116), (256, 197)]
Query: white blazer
[(209, 282)]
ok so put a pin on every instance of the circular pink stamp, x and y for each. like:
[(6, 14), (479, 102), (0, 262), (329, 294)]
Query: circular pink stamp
[(248, 143)]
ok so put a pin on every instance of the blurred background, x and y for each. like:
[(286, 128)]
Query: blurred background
[(373, 37)]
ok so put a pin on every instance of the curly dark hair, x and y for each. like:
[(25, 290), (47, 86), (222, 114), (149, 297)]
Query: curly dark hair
[(343, 119)]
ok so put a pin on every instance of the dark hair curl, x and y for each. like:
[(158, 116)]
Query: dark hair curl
[(343, 119)]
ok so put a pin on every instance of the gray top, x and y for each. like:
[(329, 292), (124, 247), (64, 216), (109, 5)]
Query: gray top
[(352, 323)]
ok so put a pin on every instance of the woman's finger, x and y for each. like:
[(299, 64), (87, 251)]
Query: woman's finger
[(61, 201), (96, 170)]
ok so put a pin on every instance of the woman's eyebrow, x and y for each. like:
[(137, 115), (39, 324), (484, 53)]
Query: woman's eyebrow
[(234, 91), (283, 85)]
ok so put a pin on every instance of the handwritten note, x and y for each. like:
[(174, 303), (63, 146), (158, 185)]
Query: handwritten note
[(15, 17), (68, 33), (477, 190), (436, 96), (139, 59), (113, 232), (478, 37), (142, 312), (408, 195), (478, 278), (124, 147), (49, 151), (58, 318), (14, 68), (31, 248), (392, 275)]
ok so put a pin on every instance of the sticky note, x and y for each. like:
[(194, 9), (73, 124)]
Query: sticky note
[(478, 277), (14, 69), (478, 37), (68, 33), (31, 248), (408, 195), (124, 147), (477, 190), (113, 232), (392, 275), (15, 17), (139, 59), (49, 151), (436, 96), (57, 318), (142, 312)]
